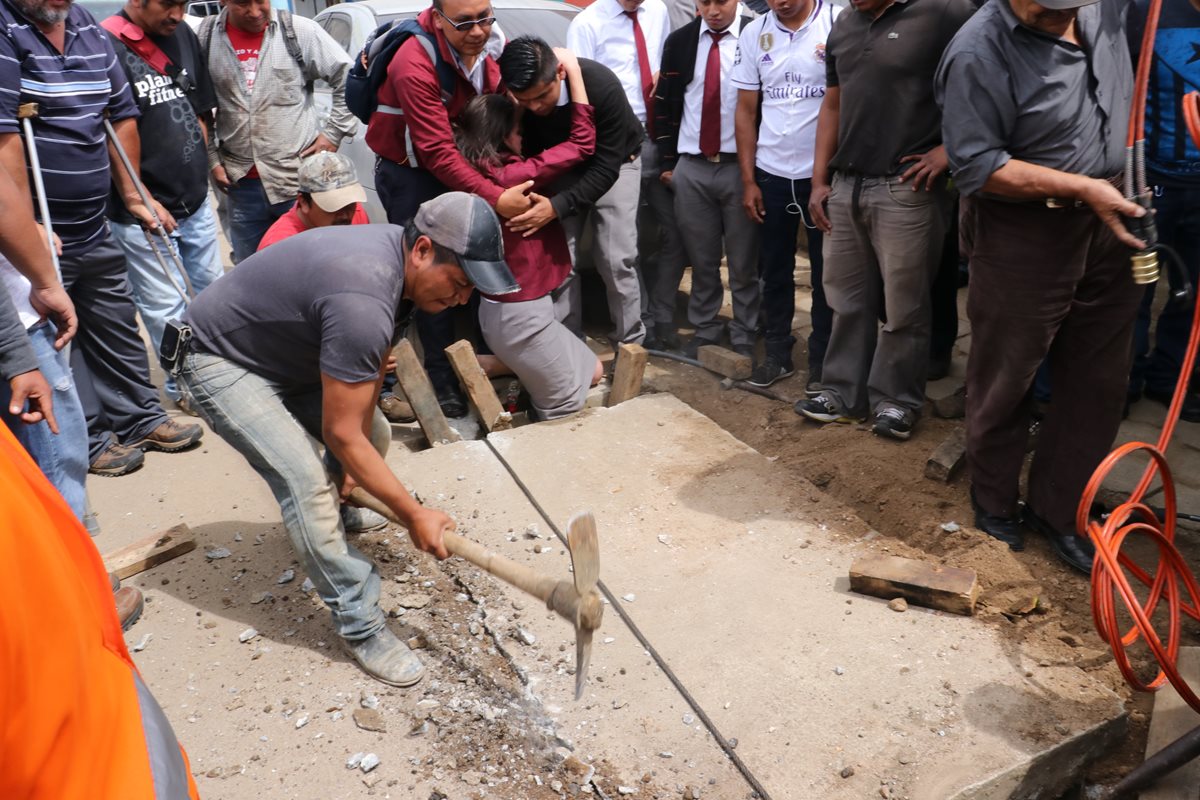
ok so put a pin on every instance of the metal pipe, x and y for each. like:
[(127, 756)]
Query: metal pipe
[(1179, 752), (27, 111), (159, 229)]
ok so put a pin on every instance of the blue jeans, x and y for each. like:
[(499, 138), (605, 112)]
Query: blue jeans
[(158, 300), (277, 430), (63, 458), (250, 214), (786, 204), (1177, 215)]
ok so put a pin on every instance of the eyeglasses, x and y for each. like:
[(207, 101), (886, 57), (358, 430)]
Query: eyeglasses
[(463, 27)]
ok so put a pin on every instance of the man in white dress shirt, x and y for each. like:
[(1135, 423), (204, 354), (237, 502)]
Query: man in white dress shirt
[(694, 127), (627, 36)]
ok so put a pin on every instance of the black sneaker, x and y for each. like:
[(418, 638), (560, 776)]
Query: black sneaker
[(770, 370), (823, 408), (893, 423), (452, 400), (1190, 411), (812, 386)]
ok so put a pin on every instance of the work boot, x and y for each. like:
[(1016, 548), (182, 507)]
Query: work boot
[(130, 604), (170, 437), (117, 459), (385, 658), (361, 520), (395, 409)]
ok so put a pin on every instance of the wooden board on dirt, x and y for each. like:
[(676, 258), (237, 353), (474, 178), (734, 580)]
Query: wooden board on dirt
[(949, 457), (150, 551), (482, 395), (627, 374), (419, 391), (945, 588)]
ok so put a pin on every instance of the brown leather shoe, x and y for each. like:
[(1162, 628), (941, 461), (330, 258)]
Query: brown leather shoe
[(130, 604), (117, 459), (395, 409), (170, 437)]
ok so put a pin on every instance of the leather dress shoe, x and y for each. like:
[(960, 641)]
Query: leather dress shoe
[(452, 400), (1075, 551), (1004, 529)]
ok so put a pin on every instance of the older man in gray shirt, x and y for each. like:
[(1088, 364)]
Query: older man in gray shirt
[(1034, 99)]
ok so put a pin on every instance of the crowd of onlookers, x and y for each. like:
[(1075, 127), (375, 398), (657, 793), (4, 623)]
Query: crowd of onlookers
[(911, 143)]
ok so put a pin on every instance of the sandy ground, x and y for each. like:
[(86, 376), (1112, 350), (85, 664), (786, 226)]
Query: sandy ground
[(284, 712)]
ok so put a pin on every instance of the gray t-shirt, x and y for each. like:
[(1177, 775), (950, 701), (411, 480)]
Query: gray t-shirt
[(1008, 91), (327, 300)]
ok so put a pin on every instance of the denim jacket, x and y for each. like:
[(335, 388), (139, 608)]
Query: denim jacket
[(269, 126)]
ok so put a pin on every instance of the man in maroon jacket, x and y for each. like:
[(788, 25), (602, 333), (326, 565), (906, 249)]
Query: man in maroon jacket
[(418, 160)]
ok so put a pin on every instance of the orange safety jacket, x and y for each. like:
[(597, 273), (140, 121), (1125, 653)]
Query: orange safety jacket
[(76, 719)]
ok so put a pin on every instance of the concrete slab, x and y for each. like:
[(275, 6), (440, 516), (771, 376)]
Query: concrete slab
[(738, 574)]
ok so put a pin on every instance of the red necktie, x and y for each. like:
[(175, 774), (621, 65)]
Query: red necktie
[(643, 65), (710, 106)]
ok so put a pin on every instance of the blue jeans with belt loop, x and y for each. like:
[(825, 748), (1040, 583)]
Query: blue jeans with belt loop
[(278, 431)]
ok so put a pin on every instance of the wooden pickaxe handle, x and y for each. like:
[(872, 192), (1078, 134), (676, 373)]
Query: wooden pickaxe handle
[(524, 578)]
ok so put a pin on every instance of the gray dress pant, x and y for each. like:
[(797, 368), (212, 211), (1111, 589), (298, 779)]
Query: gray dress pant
[(709, 213), (660, 268), (616, 253), (880, 260)]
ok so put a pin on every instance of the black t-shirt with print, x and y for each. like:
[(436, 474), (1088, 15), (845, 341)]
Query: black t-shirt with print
[(174, 162)]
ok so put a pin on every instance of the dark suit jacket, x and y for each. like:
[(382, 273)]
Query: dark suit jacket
[(675, 73)]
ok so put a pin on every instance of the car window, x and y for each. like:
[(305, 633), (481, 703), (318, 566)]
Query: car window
[(549, 25), (338, 26)]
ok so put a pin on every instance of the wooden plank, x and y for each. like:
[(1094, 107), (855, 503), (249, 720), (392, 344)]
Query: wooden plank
[(725, 362), (949, 457), (945, 588), (150, 551), (419, 391), (627, 375), (1173, 718), (480, 392)]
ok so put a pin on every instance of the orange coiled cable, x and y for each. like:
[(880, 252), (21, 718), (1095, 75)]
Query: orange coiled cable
[(1112, 568)]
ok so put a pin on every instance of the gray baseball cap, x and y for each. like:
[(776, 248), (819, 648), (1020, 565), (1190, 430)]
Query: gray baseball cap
[(1065, 5), (466, 224), (331, 180)]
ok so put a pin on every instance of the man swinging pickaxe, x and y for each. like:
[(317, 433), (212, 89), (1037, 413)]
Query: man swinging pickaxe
[(576, 601)]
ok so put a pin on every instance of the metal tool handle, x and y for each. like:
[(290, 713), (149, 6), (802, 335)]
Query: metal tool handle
[(26, 112), (159, 229), (524, 578)]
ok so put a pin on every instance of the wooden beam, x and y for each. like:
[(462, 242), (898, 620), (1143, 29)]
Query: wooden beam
[(725, 362), (627, 375), (482, 395), (945, 588), (1172, 718), (419, 391), (150, 551), (949, 457)]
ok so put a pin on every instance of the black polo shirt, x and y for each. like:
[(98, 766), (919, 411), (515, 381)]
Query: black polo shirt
[(73, 90), (884, 69)]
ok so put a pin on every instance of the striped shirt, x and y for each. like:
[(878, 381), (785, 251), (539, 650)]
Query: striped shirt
[(73, 89)]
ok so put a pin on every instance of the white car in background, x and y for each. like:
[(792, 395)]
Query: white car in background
[(349, 24)]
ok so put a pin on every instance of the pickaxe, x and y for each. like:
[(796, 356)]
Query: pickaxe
[(577, 602)]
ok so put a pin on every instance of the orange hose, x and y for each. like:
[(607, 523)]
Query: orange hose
[(1112, 568)]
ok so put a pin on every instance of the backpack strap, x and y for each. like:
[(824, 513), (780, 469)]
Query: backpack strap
[(136, 40), (289, 38), (445, 72)]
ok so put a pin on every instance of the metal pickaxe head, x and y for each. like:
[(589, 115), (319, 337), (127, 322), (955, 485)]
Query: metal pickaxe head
[(580, 602)]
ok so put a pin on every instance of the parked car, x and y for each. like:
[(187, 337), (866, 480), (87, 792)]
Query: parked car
[(349, 24)]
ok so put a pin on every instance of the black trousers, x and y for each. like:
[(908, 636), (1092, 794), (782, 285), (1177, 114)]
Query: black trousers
[(401, 191), (108, 355), (1049, 285)]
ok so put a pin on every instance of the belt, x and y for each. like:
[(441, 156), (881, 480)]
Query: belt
[(719, 158)]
